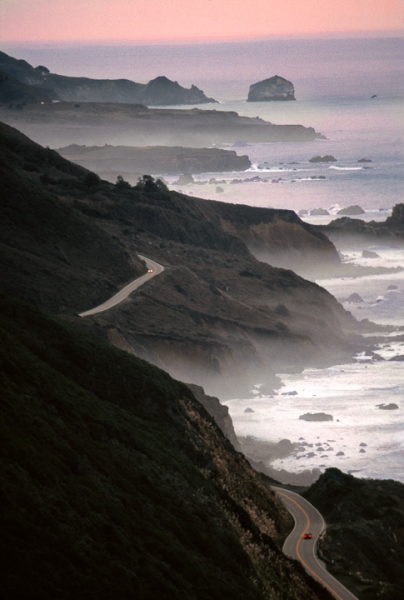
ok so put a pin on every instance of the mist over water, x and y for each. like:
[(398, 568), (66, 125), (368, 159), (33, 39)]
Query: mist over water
[(352, 92)]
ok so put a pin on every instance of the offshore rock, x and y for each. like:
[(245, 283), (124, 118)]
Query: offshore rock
[(326, 158), (351, 210), (316, 417), (273, 89)]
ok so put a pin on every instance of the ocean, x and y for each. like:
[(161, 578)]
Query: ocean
[(352, 91)]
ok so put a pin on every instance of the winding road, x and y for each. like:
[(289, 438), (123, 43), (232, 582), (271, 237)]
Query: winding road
[(306, 516), (308, 519), (153, 270)]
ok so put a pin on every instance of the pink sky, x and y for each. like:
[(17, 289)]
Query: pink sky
[(151, 20)]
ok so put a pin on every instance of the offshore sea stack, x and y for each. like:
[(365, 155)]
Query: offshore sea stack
[(273, 89)]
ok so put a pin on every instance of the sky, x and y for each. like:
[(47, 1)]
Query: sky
[(176, 20)]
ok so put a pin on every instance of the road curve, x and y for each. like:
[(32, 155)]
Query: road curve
[(153, 270), (307, 518)]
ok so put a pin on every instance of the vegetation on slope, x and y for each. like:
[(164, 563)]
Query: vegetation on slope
[(70, 240), (364, 540), (117, 484)]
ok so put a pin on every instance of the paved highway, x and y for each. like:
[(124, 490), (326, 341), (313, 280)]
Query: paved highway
[(308, 519), (153, 270)]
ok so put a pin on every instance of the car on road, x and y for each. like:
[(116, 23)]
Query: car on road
[(307, 535)]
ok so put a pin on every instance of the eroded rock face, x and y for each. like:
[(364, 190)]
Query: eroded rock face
[(218, 411), (273, 89)]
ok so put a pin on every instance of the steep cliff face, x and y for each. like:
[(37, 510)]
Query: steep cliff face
[(280, 238), (346, 228), (219, 412), (273, 89)]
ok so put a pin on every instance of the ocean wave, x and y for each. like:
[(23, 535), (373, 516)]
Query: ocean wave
[(346, 168)]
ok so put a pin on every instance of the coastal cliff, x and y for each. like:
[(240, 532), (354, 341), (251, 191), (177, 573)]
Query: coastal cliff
[(216, 317), (114, 476), (110, 161), (160, 91), (346, 228), (94, 124)]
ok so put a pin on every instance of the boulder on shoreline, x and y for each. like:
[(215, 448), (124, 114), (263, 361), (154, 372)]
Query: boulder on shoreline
[(273, 89), (355, 298), (369, 254), (316, 417)]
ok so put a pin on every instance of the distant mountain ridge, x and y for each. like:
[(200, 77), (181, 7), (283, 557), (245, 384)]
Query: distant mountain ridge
[(160, 91)]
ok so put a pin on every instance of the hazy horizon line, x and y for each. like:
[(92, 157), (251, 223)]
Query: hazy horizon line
[(359, 34)]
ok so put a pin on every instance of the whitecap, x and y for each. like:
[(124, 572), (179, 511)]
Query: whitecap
[(346, 168)]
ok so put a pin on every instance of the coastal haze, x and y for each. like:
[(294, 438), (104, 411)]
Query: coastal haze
[(174, 229), (351, 92)]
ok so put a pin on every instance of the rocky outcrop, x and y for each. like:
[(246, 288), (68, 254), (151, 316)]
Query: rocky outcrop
[(344, 227), (161, 91), (319, 212), (219, 412), (110, 161), (326, 158), (273, 89), (351, 210), (316, 417), (164, 92), (369, 254), (279, 237)]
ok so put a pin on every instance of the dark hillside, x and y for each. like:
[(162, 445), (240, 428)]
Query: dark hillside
[(364, 540), (160, 91), (117, 484), (16, 94), (51, 254), (216, 317)]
